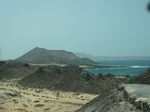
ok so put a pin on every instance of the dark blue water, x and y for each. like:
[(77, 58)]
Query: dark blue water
[(134, 67)]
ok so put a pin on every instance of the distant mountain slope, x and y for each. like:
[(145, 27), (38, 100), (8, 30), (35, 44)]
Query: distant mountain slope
[(99, 58), (41, 55), (84, 55)]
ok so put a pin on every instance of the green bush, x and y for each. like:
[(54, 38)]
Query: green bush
[(24, 105), (36, 101), (39, 105), (46, 109)]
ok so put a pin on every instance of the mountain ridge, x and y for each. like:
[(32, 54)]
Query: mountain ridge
[(99, 58)]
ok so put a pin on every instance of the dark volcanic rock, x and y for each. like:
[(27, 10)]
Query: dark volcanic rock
[(119, 100), (116, 100), (2, 63), (111, 101), (61, 79), (70, 79), (15, 70)]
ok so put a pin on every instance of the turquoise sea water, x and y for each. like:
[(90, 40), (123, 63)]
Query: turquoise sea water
[(134, 67)]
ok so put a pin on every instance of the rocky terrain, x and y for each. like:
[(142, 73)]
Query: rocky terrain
[(27, 87), (15, 70), (126, 98), (120, 99), (111, 101), (36, 88), (71, 80)]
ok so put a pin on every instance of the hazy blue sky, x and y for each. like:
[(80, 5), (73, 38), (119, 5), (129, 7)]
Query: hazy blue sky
[(96, 27)]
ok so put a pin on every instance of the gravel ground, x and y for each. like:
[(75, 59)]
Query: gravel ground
[(139, 91)]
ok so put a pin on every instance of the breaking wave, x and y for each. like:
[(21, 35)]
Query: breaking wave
[(139, 66)]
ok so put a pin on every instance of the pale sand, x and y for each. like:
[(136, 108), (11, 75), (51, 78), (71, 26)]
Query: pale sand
[(61, 65), (14, 98)]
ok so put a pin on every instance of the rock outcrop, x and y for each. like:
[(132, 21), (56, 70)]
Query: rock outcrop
[(117, 100)]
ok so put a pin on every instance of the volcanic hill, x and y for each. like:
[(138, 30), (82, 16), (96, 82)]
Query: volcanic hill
[(44, 56), (71, 80)]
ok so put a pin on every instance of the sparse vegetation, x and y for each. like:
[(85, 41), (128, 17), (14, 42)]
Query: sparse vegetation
[(20, 109), (47, 101), (39, 105), (36, 101), (46, 109), (15, 101), (24, 105)]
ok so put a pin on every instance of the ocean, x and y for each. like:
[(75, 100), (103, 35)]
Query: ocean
[(134, 67)]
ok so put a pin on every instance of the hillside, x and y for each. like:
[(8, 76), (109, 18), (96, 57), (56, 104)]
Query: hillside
[(15, 70), (111, 101), (44, 56), (71, 79), (125, 98), (84, 55), (132, 97)]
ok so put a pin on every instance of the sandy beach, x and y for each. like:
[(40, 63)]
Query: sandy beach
[(15, 98)]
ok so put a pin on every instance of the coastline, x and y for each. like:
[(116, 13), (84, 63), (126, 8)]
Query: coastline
[(85, 66)]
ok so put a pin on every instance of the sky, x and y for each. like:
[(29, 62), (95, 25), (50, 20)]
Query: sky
[(96, 27)]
